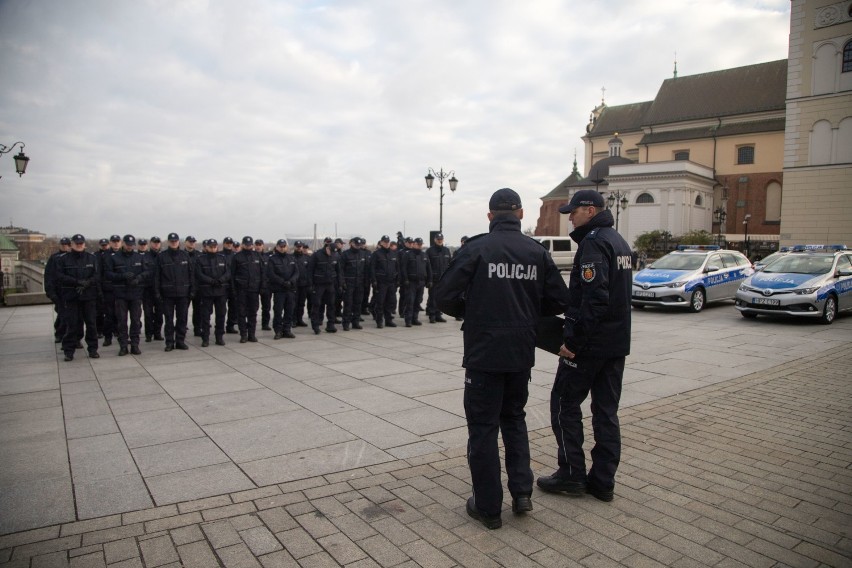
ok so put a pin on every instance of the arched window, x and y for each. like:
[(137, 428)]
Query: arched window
[(773, 202), (645, 198), (844, 142), (847, 57), (825, 69), (821, 143), (698, 201)]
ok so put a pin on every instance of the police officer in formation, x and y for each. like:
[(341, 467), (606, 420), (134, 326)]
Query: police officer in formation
[(384, 276), (174, 287), (596, 342), (303, 290), (151, 302), (78, 284), (354, 265), (108, 329), (439, 260), (265, 293), (326, 279), (52, 291), (231, 322), (189, 245), (416, 272), (128, 270), (502, 282), (282, 274), (247, 275), (213, 280)]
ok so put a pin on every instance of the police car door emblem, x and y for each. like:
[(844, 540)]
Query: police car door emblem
[(587, 272)]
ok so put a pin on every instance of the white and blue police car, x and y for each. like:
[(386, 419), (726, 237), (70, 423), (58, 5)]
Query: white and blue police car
[(690, 277), (810, 280)]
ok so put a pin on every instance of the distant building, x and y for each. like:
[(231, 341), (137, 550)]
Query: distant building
[(707, 144), (8, 262), (22, 236), (817, 198)]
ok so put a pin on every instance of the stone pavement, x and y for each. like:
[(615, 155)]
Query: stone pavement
[(348, 449)]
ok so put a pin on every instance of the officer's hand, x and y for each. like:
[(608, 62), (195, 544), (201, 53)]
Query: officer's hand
[(129, 275), (564, 352), (192, 295), (135, 281)]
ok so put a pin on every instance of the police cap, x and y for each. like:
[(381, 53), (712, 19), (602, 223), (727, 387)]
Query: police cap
[(281, 242), (101, 242), (505, 199), (155, 239), (78, 238), (64, 241), (129, 240), (173, 237), (115, 239), (248, 241), (142, 241), (228, 241)]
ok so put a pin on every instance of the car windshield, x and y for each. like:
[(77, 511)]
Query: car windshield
[(680, 261), (771, 258), (802, 264)]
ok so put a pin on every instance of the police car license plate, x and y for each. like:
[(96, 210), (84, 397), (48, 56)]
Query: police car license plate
[(766, 301), (643, 294)]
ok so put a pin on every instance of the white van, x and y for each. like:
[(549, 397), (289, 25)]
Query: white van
[(562, 250)]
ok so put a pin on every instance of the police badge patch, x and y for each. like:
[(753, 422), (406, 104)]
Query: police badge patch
[(587, 272)]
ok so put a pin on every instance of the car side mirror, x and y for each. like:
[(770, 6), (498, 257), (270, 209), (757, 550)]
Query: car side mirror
[(712, 268), (844, 272)]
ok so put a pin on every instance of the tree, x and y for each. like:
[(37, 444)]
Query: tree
[(696, 238), (648, 241)]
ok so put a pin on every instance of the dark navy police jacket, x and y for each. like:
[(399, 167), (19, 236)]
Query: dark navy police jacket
[(502, 283), (597, 321)]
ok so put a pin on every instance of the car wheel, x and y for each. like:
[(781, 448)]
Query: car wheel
[(696, 302), (829, 311), (749, 315)]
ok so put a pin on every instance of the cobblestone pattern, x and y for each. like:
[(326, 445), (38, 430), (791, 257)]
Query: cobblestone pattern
[(755, 472)]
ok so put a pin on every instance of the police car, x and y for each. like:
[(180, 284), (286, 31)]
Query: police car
[(811, 280), (766, 261), (690, 277)]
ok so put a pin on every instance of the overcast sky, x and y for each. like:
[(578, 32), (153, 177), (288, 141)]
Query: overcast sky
[(267, 117)]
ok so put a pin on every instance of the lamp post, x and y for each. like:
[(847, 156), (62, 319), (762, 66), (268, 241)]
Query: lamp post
[(620, 201), (745, 223), (720, 215), (430, 177), (20, 159)]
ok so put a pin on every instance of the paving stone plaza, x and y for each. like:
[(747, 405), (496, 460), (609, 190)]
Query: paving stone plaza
[(348, 449)]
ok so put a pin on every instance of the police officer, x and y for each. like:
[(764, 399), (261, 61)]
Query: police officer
[(384, 275), (229, 251), (174, 284), (326, 279), (354, 266), (597, 340), (247, 275), (107, 292), (128, 270), (282, 273), (78, 280), (152, 306), (416, 271), (189, 245), (503, 282), (212, 279), (303, 290), (52, 290), (265, 293), (439, 260), (404, 247)]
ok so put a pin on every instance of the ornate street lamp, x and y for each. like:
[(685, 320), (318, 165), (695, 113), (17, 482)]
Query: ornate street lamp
[(20, 159), (720, 215), (619, 200), (430, 177), (745, 223)]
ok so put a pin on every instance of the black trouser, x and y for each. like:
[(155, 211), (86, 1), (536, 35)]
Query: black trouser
[(352, 298), (324, 296), (76, 313), (59, 326), (247, 304), (265, 307), (109, 328), (385, 301), (365, 301), (123, 308), (283, 306), (153, 313), (431, 307), (196, 315), (208, 303), (175, 312), (492, 402), (575, 379), (233, 310), (413, 298), (403, 297), (303, 296)]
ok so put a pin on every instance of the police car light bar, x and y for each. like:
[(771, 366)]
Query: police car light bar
[(817, 248), (698, 247)]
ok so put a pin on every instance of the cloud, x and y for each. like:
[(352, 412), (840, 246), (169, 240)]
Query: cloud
[(269, 117)]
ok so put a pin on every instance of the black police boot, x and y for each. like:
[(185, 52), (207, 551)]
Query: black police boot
[(598, 492), (380, 325), (181, 345), (555, 484), (301, 323), (431, 319), (158, 337), (57, 339), (288, 334), (278, 335), (231, 330), (265, 327), (347, 326), (205, 342), (94, 355), (79, 345), (440, 319), (169, 347), (407, 323), (69, 355), (390, 323), (134, 349), (220, 340), (243, 339), (123, 351), (147, 339), (356, 325), (521, 504), (252, 339), (416, 322), (330, 328), (490, 522)]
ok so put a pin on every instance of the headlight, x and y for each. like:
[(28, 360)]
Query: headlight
[(676, 284), (744, 288), (803, 291)]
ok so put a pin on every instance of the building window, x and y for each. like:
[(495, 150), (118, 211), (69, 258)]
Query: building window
[(773, 202), (698, 201), (645, 198), (681, 155), (847, 57), (745, 155)]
